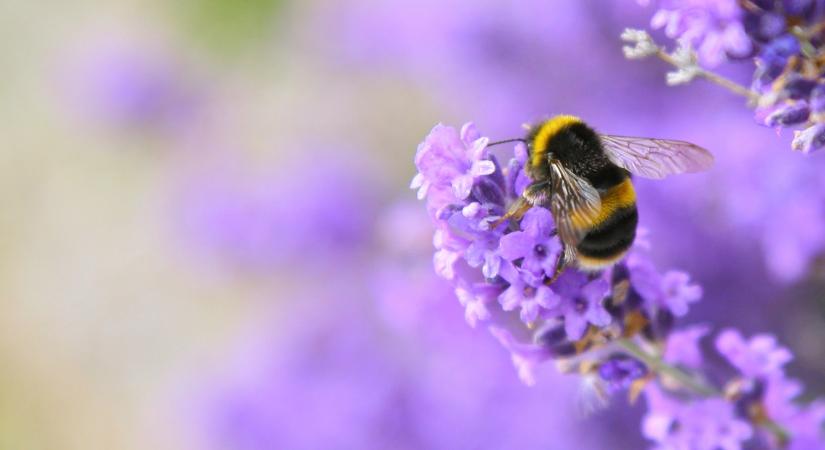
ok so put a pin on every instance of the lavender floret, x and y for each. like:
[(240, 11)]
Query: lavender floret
[(784, 39)]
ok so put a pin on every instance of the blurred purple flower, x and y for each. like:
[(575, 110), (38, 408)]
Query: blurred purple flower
[(476, 300), (336, 380), (763, 393), (788, 114), (313, 398), (787, 88), (131, 85), (673, 290), (679, 292), (600, 324), (810, 139), (506, 47), (714, 27), (760, 356), (257, 221), (683, 346), (693, 425), (803, 423), (525, 356), (620, 371)]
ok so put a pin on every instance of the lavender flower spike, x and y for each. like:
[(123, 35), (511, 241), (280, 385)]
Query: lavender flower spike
[(614, 328), (451, 159), (782, 38), (714, 27), (760, 356)]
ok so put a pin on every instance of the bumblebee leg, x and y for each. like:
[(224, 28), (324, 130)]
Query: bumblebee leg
[(515, 212), (561, 264), (534, 194)]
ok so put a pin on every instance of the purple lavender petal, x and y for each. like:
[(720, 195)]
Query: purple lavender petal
[(444, 262), (679, 293), (538, 222), (469, 133), (547, 298), (511, 298), (811, 139), (714, 28), (620, 371), (476, 300), (595, 292), (529, 311), (516, 245), (574, 326), (758, 357), (683, 346), (462, 185), (788, 115), (525, 356), (707, 424)]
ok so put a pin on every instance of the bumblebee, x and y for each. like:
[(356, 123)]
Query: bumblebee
[(584, 179)]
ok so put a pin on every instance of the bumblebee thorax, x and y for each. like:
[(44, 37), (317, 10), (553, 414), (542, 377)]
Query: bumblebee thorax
[(569, 140)]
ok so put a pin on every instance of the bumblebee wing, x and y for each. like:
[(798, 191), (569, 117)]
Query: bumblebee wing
[(655, 158), (575, 204)]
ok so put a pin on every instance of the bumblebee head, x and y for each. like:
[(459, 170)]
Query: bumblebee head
[(533, 170)]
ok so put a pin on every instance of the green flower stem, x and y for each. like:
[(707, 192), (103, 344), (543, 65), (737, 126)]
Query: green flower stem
[(803, 36), (658, 365), (736, 88), (693, 383)]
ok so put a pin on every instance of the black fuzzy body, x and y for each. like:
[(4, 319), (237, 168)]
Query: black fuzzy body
[(579, 149)]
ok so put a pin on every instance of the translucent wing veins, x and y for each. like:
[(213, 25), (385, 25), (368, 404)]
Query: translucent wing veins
[(655, 158), (575, 204)]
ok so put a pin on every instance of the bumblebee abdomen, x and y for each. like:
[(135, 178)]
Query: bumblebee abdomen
[(568, 140), (605, 245), (612, 233)]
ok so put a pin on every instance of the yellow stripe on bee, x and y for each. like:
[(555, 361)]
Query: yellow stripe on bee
[(546, 131), (587, 263), (620, 196)]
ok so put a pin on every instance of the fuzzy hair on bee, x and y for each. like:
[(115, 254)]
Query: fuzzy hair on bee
[(584, 178)]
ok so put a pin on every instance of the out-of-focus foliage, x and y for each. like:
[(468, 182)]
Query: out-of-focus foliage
[(228, 25)]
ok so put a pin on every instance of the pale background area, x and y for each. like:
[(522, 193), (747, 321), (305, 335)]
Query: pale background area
[(103, 313)]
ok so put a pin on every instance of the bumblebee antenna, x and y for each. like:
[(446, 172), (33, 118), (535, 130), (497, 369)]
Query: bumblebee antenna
[(507, 141)]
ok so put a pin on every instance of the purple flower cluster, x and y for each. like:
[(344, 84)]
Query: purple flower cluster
[(785, 39), (255, 221), (757, 403), (763, 392), (704, 424), (467, 191), (713, 27), (502, 274), (335, 379), (788, 72), (614, 328)]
